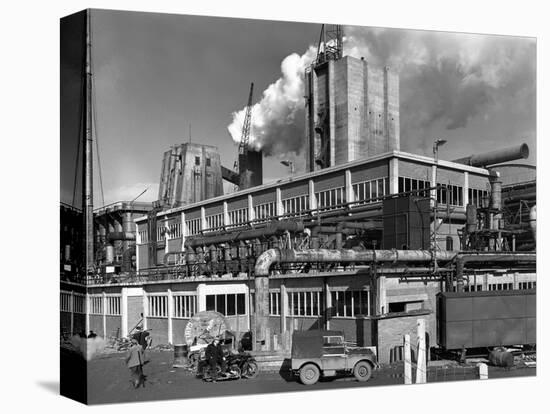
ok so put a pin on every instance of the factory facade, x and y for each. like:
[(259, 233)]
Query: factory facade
[(196, 249)]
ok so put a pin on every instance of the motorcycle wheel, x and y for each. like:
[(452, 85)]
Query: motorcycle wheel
[(250, 369), (235, 370)]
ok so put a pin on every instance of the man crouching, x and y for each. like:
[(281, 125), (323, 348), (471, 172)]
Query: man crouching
[(134, 361)]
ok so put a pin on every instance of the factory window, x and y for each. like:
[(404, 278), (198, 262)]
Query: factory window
[(208, 162), (193, 226), (197, 160), (452, 194), (143, 236), (329, 199), (237, 217), (158, 306), (78, 303), (174, 230), (350, 303), (274, 303), (96, 305), (185, 306), (368, 191), (406, 184), (214, 221), (305, 303), (296, 205), (227, 304), (473, 288), (527, 285), (476, 196), (501, 286), (161, 230), (113, 305), (65, 302), (264, 211)]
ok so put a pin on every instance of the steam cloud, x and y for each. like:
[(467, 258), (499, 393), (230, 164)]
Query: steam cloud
[(88, 347), (446, 79)]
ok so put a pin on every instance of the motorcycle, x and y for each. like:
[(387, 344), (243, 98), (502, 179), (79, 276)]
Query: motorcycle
[(241, 365)]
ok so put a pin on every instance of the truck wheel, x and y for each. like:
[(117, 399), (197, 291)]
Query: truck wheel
[(362, 371), (309, 374)]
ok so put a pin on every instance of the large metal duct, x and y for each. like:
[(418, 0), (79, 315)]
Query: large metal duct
[(120, 235), (272, 256), (496, 157)]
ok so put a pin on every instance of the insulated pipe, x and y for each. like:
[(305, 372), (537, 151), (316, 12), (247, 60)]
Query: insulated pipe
[(121, 235), (271, 229), (272, 256), (127, 258), (496, 157)]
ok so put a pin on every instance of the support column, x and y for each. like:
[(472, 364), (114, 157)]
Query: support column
[(170, 313), (71, 308), (421, 353), (87, 314), (225, 215), (124, 312), (350, 196), (279, 210), (284, 307), (407, 359), (104, 301), (466, 195), (381, 295), (138, 242), (251, 215), (394, 175), (204, 226), (145, 309), (184, 231), (261, 293), (328, 305), (312, 199)]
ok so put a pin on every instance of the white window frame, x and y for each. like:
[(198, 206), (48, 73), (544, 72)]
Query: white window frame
[(184, 305), (113, 305), (362, 307)]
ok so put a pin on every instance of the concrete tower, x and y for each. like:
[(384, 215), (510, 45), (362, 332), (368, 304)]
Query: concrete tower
[(352, 111), (190, 173)]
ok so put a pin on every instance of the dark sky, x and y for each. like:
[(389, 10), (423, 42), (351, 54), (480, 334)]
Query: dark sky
[(157, 73)]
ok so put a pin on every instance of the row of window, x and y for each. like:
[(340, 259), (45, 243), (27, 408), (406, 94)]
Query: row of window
[(476, 196), (239, 216), (406, 184), (369, 191), (500, 286), (329, 199), (184, 306), (264, 211), (296, 205), (77, 305), (452, 194), (214, 221), (229, 304), (193, 226)]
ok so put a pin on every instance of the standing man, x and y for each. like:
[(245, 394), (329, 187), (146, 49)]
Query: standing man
[(134, 361), (143, 338)]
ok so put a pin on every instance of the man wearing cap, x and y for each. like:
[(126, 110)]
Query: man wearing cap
[(134, 361), (214, 356)]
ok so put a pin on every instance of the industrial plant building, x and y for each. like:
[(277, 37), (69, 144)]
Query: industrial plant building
[(362, 242)]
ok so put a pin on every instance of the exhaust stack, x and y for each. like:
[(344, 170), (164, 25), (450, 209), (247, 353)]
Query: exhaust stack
[(496, 157)]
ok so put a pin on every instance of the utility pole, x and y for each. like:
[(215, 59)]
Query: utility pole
[(88, 158)]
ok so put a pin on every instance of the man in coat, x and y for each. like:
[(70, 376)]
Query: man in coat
[(134, 362), (214, 356)]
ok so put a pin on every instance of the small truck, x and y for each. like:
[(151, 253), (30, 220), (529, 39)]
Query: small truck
[(318, 353)]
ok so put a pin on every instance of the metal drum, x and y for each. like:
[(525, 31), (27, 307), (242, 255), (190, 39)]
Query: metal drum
[(501, 358), (180, 356)]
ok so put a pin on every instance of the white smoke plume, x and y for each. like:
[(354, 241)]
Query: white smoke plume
[(278, 118), (446, 79), (88, 347)]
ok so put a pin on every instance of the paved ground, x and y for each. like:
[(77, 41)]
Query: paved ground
[(109, 380)]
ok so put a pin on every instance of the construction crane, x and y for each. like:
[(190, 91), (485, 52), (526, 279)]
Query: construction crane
[(241, 162)]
